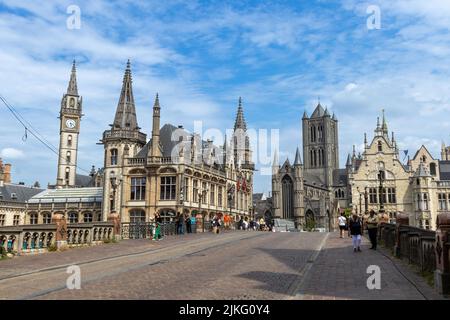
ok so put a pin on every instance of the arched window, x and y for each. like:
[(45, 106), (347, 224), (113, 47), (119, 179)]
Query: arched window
[(137, 215), (114, 157), (287, 194), (68, 157), (380, 146), (69, 140), (425, 201), (315, 158), (67, 173), (87, 217), (424, 159), (418, 202), (33, 218), (433, 169), (73, 217), (311, 158), (47, 218)]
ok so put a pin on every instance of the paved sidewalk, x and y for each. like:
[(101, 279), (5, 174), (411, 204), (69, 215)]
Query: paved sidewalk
[(338, 273)]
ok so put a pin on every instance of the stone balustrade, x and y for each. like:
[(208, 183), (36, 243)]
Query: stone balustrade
[(428, 250), (37, 238)]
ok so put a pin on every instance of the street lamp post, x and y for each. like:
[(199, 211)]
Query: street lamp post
[(366, 202), (381, 178)]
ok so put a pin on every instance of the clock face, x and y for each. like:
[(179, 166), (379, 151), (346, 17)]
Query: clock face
[(70, 123)]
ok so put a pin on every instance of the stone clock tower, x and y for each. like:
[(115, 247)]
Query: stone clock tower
[(70, 116)]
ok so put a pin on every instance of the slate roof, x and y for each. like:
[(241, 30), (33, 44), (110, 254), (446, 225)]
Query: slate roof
[(23, 193), (166, 142), (84, 181), (340, 177), (318, 112), (313, 180), (69, 195)]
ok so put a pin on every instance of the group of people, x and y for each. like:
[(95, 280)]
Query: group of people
[(356, 225), (254, 224)]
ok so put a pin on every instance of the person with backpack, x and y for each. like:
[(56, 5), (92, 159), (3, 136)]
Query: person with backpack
[(355, 228)]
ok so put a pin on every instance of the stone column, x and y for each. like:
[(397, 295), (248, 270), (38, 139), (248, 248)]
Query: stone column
[(114, 218), (61, 230), (402, 219), (442, 247)]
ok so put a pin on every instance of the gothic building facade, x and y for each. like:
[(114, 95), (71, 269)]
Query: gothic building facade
[(305, 191), (175, 171), (379, 180)]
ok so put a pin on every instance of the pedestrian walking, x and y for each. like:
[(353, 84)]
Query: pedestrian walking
[(157, 234), (180, 222), (187, 220), (372, 228), (214, 224), (355, 227), (262, 223), (342, 221)]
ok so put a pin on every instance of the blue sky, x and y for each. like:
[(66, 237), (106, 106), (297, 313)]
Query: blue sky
[(201, 56)]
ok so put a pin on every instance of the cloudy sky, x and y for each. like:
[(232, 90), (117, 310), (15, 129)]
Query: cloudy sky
[(201, 56)]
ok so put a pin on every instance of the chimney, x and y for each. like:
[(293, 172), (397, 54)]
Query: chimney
[(7, 173)]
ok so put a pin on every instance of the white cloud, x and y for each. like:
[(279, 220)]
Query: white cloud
[(12, 153)]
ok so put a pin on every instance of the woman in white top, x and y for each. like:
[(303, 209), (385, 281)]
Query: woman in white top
[(342, 224)]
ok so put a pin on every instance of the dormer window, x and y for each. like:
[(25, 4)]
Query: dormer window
[(14, 196), (380, 146)]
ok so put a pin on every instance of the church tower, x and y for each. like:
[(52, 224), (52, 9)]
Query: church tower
[(243, 164), (123, 140), (70, 117), (320, 144)]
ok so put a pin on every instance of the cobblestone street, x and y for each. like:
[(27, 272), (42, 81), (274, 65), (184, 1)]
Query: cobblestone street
[(233, 265)]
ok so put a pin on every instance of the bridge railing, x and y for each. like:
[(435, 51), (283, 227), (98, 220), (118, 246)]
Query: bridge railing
[(38, 238), (413, 244)]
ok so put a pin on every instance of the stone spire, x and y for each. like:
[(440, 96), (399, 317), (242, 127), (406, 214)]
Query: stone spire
[(125, 118), (155, 145), (275, 159), (305, 115), (349, 161), (240, 121), (72, 89), (298, 159), (384, 127)]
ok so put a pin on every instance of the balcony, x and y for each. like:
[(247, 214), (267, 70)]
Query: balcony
[(124, 134)]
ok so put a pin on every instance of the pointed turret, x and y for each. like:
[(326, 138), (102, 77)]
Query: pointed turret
[(318, 112), (349, 161), (365, 140), (240, 120), (125, 118), (298, 158), (275, 159), (155, 145), (326, 113), (72, 89), (384, 126), (334, 117), (305, 115)]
